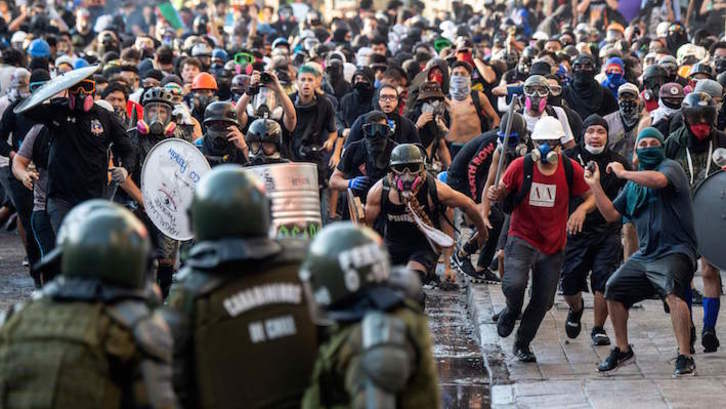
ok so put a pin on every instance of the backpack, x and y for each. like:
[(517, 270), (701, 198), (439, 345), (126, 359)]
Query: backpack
[(515, 198)]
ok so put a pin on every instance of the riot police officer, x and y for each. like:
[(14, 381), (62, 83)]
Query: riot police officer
[(379, 352), (91, 338), (243, 336), (223, 142), (264, 141)]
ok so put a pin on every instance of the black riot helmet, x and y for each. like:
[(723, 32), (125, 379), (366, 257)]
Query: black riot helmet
[(100, 239), (229, 202), (218, 117), (263, 131), (654, 77)]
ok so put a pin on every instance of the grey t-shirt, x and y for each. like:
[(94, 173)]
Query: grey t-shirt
[(41, 185), (665, 224)]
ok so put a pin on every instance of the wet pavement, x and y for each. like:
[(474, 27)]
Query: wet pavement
[(15, 282), (463, 377)]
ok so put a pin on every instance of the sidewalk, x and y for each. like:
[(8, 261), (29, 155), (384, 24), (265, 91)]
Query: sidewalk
[(565, 373)]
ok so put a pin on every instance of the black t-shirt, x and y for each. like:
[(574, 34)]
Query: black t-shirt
[(611, 185), (470, 167), (314, 124), (405, 131), (15, 124), (80, 141)]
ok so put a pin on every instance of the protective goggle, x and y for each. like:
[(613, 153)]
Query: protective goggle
[(244, 58), (374, 129), (553, 143), (555, 90), (407, 167), (156, 111), (538, 90), (85, 87), (513, 137)]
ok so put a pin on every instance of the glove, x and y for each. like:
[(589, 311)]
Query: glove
[(119, 175), (359, 183)]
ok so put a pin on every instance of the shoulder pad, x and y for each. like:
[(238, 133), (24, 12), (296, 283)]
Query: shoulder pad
[(198, 283), (128, 313), (153, 337)]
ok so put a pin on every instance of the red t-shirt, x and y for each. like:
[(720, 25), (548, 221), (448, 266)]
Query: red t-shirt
[(541, 217)]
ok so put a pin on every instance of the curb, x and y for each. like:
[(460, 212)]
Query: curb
[(479, 306)]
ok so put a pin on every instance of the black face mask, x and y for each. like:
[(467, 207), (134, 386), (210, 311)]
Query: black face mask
[(218, 140), (554, 101), (583, 77), (376, 149), (364, 88)]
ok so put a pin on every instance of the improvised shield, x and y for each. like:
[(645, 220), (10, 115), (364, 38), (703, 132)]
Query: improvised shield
[(170, 173), (355, 208), (709, 211), (56, 86), (293, 189)]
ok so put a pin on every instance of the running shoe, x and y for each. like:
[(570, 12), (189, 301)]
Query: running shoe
[(709, 340), (684, 365), (573, 326), (616, 359), (523, 353), (505, 323), (599, 336)]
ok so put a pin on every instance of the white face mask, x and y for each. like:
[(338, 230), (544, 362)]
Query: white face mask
[(595, 150)]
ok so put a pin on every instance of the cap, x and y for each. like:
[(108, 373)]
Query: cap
[(628, 88), (710, 87), (671, 90)]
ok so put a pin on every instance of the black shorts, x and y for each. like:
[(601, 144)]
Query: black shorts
[(423, 255), (599, 253), (638, 279)]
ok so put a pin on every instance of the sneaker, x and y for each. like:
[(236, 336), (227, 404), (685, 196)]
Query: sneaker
[(26, 263), (496, 315), (573, 325), (709, 340), (599, 336), (505, 323), (616, 359), (697, 297), (523, 353), (684, 365)]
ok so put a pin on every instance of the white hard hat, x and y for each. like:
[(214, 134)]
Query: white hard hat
[(18, 37), (548, 128)]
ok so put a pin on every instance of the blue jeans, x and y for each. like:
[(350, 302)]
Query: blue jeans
[(519, 258)]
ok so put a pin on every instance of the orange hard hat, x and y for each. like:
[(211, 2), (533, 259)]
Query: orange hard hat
[(204, 80)]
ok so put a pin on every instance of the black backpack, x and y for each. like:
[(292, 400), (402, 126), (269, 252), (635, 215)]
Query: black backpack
[(513, 199)]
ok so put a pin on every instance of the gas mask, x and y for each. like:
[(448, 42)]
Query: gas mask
[(202, 100), (545, 151), (515, 144), (535, 99), (217, 135), (264, 105), (157, 120), (408, 177), (80, 96)]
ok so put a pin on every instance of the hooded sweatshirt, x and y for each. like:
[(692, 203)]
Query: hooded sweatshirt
[(357, 102)]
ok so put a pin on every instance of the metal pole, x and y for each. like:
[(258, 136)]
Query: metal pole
[(507, 132)]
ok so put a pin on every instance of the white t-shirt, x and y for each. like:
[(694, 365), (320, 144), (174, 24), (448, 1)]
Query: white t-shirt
[(561, 116)]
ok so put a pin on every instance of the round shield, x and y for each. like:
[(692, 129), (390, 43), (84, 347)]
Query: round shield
[(170, 173), (709, 212), (56, 86)]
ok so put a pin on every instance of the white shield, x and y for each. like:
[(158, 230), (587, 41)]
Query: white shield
[(170, 173)]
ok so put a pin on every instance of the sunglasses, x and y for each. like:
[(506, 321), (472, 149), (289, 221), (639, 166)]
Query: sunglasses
[(83, 87), (410, 167)]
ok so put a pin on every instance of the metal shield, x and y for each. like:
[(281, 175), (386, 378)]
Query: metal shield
[(709, 212), (293, 190), (170, 173), (56, 86)]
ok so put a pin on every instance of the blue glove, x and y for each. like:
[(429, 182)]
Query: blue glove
[(359, 183)]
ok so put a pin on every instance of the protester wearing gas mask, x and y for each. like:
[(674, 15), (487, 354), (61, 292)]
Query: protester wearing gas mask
[(156, 125), (536, 94), (81, 134), (365, 161), (584, 94), (430, 116), (593, 244), (203, 90), (264, 142), (470, 112), (223, 142), (692, 146), (264, 98), (538, 230), (358, 102), (623, 124)]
